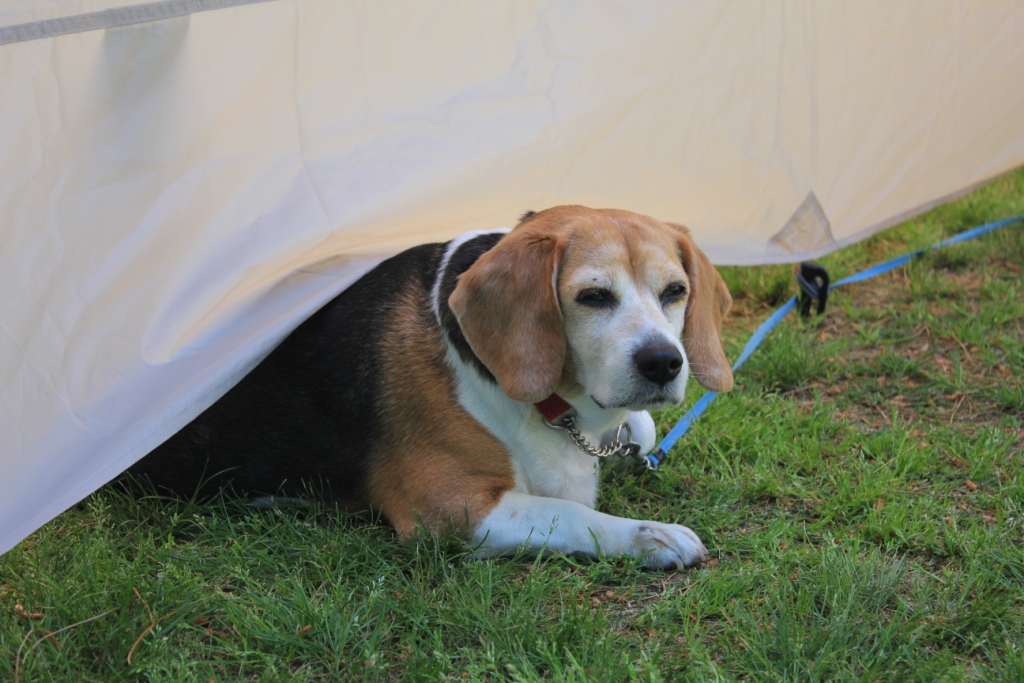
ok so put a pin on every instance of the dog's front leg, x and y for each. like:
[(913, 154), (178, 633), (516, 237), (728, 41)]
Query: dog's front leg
[(540, 524)]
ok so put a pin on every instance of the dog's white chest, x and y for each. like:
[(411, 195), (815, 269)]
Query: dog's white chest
[(546, 462)]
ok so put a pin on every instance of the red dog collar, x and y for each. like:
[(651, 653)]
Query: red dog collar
[(553, 407)]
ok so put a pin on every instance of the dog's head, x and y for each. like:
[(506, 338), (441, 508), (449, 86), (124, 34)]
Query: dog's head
[(611, 304)]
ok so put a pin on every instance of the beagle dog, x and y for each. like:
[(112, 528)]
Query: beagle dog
[(427, 389)]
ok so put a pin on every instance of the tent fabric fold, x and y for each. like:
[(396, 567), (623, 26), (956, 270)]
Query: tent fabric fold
[(183, 182)]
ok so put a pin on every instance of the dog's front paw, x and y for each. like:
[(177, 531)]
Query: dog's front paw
[(667, 545), (642, 432), (641, 424)]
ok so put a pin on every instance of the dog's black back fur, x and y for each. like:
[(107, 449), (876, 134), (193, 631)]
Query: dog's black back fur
[(308, 413)]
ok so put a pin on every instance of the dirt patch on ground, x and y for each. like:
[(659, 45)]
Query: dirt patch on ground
[(928, 344)]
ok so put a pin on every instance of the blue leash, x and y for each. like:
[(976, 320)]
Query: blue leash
[(657, 456)]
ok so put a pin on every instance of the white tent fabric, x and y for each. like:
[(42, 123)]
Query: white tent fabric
[(182, 182)]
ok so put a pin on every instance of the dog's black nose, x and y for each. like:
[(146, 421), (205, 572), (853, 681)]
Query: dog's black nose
[(659, 362)]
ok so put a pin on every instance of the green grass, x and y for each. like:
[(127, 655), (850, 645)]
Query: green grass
[(861, 491)]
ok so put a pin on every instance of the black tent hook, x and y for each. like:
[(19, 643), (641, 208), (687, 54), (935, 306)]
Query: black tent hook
[(813, 281)]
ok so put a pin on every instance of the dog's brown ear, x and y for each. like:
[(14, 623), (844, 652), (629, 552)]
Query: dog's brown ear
[(507, 307), (708, 304)]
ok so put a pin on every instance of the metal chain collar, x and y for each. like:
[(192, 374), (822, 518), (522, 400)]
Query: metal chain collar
[(622, 445)]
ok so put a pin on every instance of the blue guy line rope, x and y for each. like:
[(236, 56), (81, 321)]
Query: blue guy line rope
[(657, 456)]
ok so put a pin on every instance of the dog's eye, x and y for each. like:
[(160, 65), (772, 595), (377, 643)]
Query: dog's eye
[(596, 298), (673, 292)]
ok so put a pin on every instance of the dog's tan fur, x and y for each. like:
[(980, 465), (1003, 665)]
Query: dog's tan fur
[(442, 472)]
